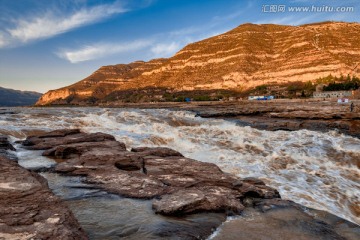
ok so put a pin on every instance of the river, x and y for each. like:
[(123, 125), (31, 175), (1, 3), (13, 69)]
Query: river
[(318, 170)]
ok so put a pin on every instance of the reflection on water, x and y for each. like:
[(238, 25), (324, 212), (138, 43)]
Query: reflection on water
[(319, 170), (113, 217), (108, 216)]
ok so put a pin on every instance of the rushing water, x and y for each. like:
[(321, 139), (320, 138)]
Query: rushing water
[(318, 170)]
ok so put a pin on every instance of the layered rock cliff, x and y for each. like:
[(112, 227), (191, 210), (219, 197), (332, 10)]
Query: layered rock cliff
[(247, 56)]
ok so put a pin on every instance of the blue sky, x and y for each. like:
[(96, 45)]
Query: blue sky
[(47, 44)]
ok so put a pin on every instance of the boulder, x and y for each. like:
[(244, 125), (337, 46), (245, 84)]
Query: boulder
[(157, 151), (66, 151), (185, 201), (6, 148), (28, 208), (274, 219), (180, 185), (62, 137), (5, 144)]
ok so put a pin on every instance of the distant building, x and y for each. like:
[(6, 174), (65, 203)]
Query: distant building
[(332, 94), (261, 97)]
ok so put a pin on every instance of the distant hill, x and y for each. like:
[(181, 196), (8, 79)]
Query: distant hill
[(12, 98), (245, 57)]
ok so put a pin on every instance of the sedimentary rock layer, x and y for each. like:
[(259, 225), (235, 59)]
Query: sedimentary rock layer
[(28, 208), (179, 185), (176, 185), (244, 57)]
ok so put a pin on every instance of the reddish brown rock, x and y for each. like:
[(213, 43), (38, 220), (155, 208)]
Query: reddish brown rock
[(289, 115), (68, 150), (5, 144), (206, 198), (181, 185), (6, 148), (29, 210), (59, 133), (62, 137), (157, 151), (274, 219)]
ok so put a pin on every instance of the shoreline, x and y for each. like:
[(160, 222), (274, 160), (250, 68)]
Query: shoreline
[(182, 191), (271, 115)]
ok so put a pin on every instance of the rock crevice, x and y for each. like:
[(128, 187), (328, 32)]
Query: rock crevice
[(180, 185), (28, 208)]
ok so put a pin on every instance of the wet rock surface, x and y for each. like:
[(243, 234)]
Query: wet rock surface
[(289, 115), (191, 198), (127, 218), (6, 148), (28, 208), (280, 219), (179, 185), (59, 137), (273, 115)]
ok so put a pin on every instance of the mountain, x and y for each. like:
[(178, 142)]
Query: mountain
[(12, 98), (245, 57)]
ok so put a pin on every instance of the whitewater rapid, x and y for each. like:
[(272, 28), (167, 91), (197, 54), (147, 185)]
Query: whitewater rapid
[(318, 170)]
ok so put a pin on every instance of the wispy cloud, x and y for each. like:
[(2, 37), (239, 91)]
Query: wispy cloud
[(160, 45), (4, 41), (163, 44), (55, 22), (100, 50), (165, 49)]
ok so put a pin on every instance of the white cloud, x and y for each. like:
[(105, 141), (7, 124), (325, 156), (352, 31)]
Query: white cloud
[(165, 49), (53, 23), (100, 50), (3, 39)]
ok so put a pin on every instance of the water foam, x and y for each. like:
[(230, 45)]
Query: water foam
[(318, 170)]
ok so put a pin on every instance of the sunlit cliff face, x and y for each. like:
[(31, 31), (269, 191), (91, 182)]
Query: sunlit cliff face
[(247, 56)]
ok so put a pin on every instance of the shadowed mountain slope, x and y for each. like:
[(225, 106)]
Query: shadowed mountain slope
[(11, 98)]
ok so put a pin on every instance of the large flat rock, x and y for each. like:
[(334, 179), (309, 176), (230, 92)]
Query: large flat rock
[(179, 185), (28, 208), (279, 219)]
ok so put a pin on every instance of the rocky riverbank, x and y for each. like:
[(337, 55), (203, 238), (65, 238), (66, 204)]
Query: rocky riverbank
[(178, 188), (177, 184), (287, 114), (279, 219), (28, 208)]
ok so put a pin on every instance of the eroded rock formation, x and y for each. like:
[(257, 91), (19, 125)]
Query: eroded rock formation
[(179, 185), (247, 56), (28, 208), (280, 219), (176, 185)]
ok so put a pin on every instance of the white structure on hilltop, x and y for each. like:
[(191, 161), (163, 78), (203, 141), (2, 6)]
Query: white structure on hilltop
[(332, 94)]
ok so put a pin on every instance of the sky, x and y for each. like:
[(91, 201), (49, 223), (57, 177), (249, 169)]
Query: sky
[(48, 44)]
